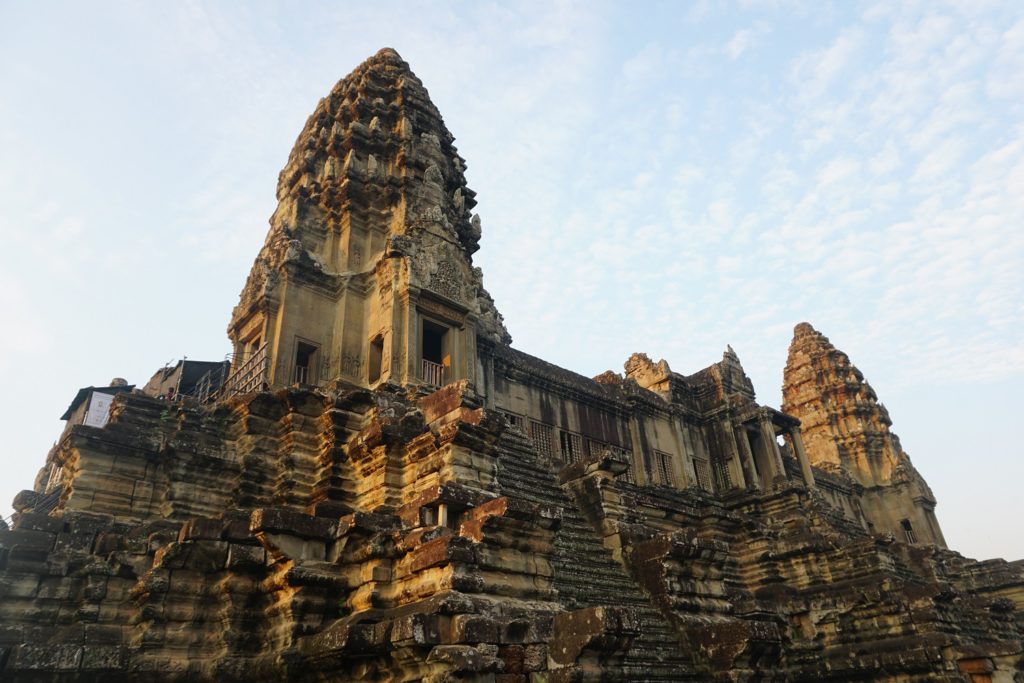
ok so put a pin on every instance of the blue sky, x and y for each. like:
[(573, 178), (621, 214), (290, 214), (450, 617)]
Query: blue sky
[(667, 179)]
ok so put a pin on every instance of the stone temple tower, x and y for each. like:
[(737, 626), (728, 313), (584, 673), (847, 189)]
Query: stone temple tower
[(366, 274), (847, 433)]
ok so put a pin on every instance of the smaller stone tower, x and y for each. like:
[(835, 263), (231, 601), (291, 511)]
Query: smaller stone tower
[(846, 431)]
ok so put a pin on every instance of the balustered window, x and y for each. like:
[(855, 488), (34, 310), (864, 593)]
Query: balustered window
[(543, 437), (436, 354), (703, 471), (305, 363), (571, 446), (513, 419), (663, 462), (722, 478), (908, 531)]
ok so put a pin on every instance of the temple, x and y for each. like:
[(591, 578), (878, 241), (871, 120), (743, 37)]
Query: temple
[(378, 486)]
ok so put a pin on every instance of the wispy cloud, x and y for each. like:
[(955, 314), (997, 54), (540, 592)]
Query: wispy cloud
[(744, 39)]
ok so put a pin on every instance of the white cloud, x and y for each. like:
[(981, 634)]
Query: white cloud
[(815, 71), (744, 39), (644, 64)]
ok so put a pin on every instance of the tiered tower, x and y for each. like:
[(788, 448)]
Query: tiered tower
[(366, 274), (846, 431)]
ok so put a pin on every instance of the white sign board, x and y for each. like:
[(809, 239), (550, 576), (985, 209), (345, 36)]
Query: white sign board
[(99, 409)]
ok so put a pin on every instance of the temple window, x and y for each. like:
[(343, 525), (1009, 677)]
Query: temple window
[(571, 446), (436, 357), (702, 470), (908, 530), (542, 436), (663, 463), (722, 479), (305, 362), (376, 355), (513, 419)]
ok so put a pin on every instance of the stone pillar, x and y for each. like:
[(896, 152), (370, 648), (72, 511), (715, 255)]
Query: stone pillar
[(749, 468), (690, 451), (732, 453), (801, 456), (410, 340), (639, 471), (469, 351), (684, 478), (489, 381), (772, 447)]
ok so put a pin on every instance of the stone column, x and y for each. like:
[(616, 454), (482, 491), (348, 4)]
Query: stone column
[(801, 456), (468, 332), (684, 478), (732, 451), (410, 347), (639, 471), (749, 468), (489, 381), (772, 447), (690, 451)]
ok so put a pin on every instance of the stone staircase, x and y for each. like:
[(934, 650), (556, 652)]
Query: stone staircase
[(586, 575)]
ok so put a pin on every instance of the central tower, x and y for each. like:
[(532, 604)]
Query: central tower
[(366, 274)]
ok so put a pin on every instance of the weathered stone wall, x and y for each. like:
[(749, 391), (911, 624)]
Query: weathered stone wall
[(357, 535)]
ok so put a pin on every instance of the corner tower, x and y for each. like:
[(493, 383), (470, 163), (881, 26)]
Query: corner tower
[(366, 274), (847, 433)]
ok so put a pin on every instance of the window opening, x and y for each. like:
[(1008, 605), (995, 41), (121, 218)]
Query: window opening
[(722, 478), (376, 355), (304, 357), (703, 472), (435, 355), (908, 529), (513, 419), (663, 461), (571, 446), (542, 436)]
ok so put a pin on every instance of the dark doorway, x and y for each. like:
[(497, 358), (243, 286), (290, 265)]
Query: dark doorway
[(435, 353), (376, 355), (305, 359)]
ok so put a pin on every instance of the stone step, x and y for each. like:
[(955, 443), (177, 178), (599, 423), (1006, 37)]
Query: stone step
[(586, 575)]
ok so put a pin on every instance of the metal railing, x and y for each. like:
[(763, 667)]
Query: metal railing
[(433, 373), (249, 376), (44, 505), (211, 383), (48, 502)]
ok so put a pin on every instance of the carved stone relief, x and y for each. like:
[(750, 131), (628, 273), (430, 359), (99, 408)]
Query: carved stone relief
[(447, 281), (351, 364)]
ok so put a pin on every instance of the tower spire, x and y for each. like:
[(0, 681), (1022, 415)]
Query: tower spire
[(847, 431), (373, 234)]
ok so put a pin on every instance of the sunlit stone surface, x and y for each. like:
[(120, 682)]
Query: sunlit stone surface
[(382, 488)]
